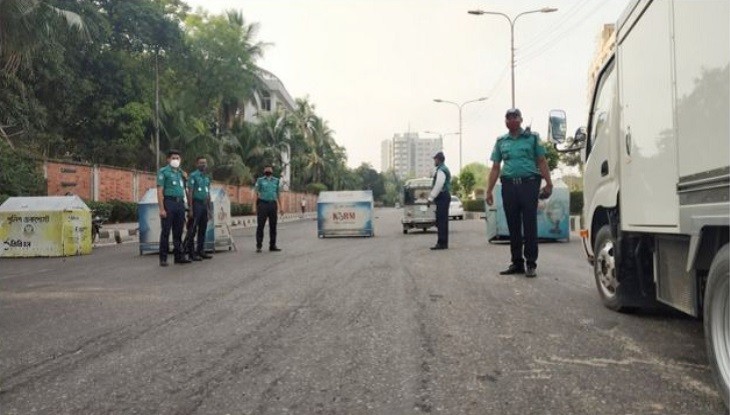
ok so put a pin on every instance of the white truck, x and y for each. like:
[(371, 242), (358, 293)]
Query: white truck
[(656, 153)]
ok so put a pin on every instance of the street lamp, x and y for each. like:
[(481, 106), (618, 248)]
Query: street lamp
[(512, 35), (460, 106)]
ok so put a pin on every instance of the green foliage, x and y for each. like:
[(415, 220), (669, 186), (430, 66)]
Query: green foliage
[(123, 211), (101, 209), (480, 172), (467, 181), (241, 209), (90, 96), (551, 155), (3, 198), (20, 175), (316, 188), (576, 202), (476, 205)]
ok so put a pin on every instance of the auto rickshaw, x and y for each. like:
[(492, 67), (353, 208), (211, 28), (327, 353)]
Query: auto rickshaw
[(416, 213)]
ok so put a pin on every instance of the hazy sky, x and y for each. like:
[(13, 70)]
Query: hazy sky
[(373, 67)]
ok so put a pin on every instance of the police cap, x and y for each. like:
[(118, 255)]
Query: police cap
[(513, 111)]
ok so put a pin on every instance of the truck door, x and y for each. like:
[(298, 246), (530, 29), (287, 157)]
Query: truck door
[(647, 148)]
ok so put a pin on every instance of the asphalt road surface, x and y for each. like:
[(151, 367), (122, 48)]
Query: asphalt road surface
[(338, 326)]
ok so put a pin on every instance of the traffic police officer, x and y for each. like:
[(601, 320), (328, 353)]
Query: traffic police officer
[(441, 195), (199, 194), (524, 162), (171, 201), (267, 207)]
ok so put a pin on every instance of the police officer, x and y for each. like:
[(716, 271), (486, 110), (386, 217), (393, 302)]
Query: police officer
[(519, 161), (441, 195), (267, 207), (199, 194), (171, 201)]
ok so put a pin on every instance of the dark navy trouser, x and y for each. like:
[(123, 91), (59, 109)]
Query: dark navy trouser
[(199, 228), (520, 208), (266, 210), (175, 220), (442, 201)]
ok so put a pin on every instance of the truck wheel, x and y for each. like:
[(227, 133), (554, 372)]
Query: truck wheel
[(405, 230), (716, 315), (605, 269)]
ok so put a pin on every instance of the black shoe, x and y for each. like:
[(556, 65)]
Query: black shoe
[(258, 250), (182, 261), (163, 262), (438, 247), (513, 269), (275, 249), (205, 256), (196, 258), (531, 272)]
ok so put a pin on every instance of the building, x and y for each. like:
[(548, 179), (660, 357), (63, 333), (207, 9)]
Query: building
[(271, 97), (386, 155), (606, 45), (410, 155)]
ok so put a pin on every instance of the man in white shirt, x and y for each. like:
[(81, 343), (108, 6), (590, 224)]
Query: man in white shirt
[(441, 195)]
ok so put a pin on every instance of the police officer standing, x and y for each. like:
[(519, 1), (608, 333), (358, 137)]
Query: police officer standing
[(171, 201), (267, 207), (523, 157), (199, 195), (441, 195)]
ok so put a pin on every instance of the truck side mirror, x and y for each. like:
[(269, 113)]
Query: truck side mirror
[(557, 126)]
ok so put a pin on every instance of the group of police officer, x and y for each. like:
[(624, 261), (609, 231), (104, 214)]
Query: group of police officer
[(518, 161), (173, 185)]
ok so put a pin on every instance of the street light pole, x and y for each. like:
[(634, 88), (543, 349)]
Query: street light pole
[(460, 107), (512, 36)]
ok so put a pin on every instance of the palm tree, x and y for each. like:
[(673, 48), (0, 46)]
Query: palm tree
[(24, 24)]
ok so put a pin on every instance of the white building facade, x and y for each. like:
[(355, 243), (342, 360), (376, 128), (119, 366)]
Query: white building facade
[(410, 155)]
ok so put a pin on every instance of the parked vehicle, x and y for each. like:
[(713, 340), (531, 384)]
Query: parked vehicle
[(657, 174), (416, 213), (456, 209)]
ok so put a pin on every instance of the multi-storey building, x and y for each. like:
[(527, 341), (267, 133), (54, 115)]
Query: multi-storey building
[(606, 44), (410, 156)]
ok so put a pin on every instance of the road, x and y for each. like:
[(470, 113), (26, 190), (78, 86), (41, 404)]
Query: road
[(338, 326)]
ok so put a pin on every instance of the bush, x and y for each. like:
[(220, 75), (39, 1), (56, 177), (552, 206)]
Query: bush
[(122, 211), (576, 202), (3, 198), (241, 209), (476, 205), (102, 209)]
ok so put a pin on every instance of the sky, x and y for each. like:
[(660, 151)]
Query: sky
[(372, 68)]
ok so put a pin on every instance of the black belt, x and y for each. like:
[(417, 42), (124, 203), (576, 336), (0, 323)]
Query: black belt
[(175, 199), (200, 200), (267, 201), (519, 180)]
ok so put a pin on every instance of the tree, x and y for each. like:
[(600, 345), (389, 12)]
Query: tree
[(467, 182), (371, 180), (20, 174), (480, 172)]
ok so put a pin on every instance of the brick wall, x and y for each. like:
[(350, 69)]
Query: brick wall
[(64, 178), (116, 184), (105, 183)]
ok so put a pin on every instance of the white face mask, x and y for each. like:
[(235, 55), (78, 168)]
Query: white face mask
[(175, 163)]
